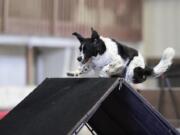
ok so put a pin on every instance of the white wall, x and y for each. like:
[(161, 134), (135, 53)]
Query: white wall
[(161, 19), (161, 29), (55, 62), (12, 65), (57, 56), (10, 96)]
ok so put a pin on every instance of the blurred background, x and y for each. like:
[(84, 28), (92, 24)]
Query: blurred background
[(36, 42)]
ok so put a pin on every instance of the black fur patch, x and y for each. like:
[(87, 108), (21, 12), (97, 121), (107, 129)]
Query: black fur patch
[(148, 71), (93, 47), (140, 74), (126, 52), (101, 48)]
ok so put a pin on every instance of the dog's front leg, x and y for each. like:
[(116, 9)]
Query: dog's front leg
[(81, 70)]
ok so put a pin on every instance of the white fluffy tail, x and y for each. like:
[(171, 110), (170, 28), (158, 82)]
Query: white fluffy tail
[(165, 62)]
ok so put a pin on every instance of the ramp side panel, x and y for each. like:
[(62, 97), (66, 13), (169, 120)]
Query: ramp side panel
[(125, 112)]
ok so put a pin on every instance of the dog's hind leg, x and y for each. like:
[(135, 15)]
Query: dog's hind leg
[(115, 67)]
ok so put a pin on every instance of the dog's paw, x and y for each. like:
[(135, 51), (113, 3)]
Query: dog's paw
[(107, 69), (104, 73), (71, 74), (111, 65)]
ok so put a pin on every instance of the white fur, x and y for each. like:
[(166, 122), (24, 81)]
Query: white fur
[(165, 62), (109, 63), (109, 55)]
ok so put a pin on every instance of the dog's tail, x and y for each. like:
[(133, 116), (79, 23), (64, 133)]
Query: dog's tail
[(163, 65)]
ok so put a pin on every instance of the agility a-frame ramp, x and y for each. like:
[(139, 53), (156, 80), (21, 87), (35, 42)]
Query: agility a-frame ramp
[(105, 106)]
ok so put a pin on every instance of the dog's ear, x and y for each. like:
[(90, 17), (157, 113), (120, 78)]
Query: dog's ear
[(79, 37), (94, 35)]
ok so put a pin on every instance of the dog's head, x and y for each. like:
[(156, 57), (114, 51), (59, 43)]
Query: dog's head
[(89, 47)]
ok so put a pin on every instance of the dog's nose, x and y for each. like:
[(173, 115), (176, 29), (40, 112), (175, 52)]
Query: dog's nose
[(79, 59)]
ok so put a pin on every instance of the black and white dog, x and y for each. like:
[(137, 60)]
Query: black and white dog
[(110, 58)]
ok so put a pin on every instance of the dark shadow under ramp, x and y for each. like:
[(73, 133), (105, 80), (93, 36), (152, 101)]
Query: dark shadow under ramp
[(60, 106)]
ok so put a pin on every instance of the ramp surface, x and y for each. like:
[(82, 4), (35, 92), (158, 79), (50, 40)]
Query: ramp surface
[(55, 107), (60, 106)]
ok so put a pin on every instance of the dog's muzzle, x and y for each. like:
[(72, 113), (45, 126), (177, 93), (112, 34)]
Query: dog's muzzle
[(83, 61)]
